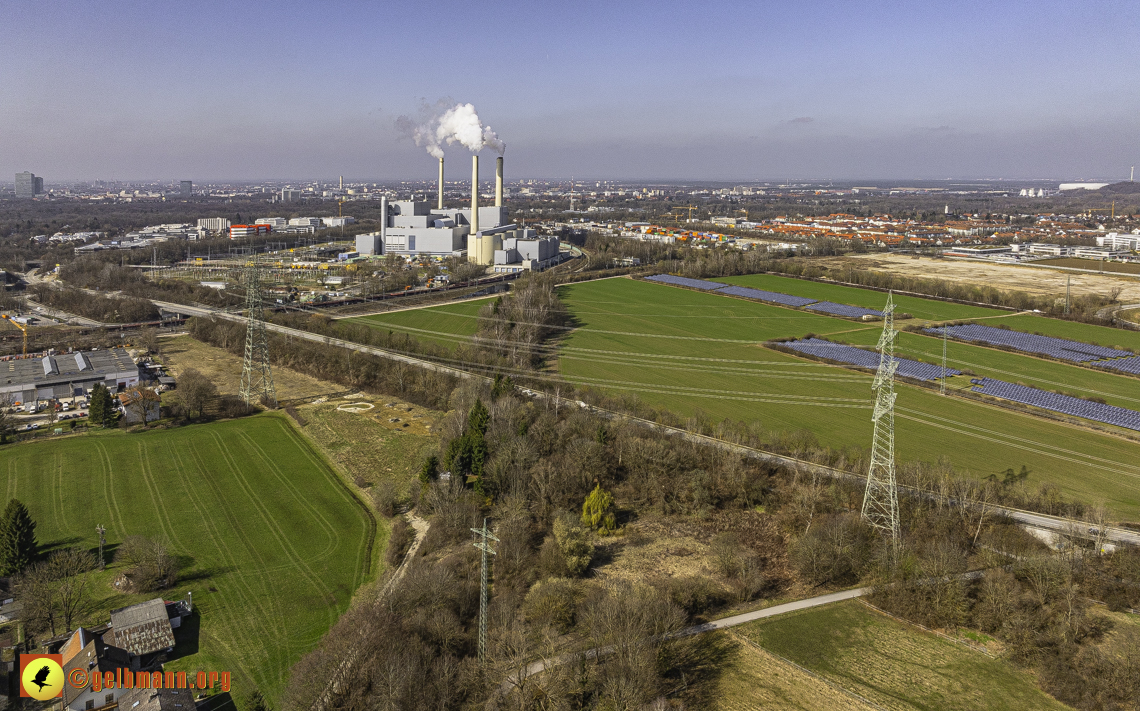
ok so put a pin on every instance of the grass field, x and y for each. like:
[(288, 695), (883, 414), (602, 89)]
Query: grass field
[(365, 444), (755, 680), (894, 665), (273, 544), (689, 351), (929, 309), (439, 324)]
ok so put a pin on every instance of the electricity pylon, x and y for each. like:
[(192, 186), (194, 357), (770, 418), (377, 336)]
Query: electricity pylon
[(880, 500), (256, 376), (483, 545)]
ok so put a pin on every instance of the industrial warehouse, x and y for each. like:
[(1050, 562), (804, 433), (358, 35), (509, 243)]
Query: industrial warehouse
[(66, 375)]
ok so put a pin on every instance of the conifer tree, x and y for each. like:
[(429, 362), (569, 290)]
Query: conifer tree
[(17, 538)]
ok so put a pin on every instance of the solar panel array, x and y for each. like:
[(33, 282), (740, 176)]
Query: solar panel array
[(1061, 348), (1124, 365), (828, 307), (773, 296), (685, 281), (866, 359), (1066, 404)]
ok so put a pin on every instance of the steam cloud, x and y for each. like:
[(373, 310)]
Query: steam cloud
[(457, 124)]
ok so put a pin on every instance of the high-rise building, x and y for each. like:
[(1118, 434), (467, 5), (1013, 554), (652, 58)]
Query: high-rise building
[(187, 188), (28, 185)]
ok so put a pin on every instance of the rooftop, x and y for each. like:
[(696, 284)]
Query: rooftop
[(63, 367), (143, 628)]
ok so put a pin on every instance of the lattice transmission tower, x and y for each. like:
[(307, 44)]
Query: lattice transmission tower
[(880, 500), (256, 376), (482, 544)]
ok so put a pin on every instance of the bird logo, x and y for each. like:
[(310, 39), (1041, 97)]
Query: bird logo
[(41, 676)]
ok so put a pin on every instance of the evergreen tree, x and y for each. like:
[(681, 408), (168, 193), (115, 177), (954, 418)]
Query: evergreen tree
[(101, 406), (17, 538)]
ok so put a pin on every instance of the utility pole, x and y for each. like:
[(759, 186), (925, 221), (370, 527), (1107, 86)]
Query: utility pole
[(102, 542), (483, 545), (944, 329), (880, 500), (256, 375)]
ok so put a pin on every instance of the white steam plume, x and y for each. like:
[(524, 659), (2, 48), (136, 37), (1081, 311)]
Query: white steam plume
[(458, 124)]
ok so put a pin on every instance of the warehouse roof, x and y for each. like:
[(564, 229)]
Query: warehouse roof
[(64, 367)]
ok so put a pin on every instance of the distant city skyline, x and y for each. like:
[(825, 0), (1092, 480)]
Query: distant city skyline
[(728, 91)]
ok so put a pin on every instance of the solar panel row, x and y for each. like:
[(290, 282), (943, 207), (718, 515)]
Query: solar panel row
[(773, 296), (1124, 365), (843, 310), (1066, 404), (685, 281), (867, 359), (1061, 348)]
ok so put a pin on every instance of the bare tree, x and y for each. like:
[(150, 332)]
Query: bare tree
[(71, 569), (195, 392), (150, 566)]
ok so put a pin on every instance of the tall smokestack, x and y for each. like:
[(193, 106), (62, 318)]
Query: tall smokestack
[(439, 202), (342, 182), (383, 223), (499, 181), (474, 195)]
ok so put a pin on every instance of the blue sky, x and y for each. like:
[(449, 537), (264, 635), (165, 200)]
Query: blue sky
[(624, 90)]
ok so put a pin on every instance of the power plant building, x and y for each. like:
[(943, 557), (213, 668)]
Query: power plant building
[(414, 227)]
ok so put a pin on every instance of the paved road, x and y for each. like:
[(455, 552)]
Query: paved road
[(1053, 523)]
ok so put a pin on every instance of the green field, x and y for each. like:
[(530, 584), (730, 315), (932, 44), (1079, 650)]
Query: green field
[(692, 352), (929, 309), (895, 665), (689, 351), (273, 544), (446, 325)]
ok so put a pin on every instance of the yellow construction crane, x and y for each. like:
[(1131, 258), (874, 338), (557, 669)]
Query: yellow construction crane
[(19, 326), (690, 208), (745, 211), (1110, 210), (340, 207)]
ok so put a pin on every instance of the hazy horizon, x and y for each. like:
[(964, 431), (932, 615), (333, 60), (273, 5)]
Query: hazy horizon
[(636, 91)]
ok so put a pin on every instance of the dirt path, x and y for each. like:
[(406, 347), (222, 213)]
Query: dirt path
[(420, 526)]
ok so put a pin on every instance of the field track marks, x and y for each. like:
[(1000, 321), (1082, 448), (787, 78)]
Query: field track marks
[(1030, 446), (63, 520), (272, 526), (251, 600), (13, 472), (334, 538), (109, 490), (364, 561), (164, 521)]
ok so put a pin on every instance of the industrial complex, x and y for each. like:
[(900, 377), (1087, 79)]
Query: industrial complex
[(484, 234)]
